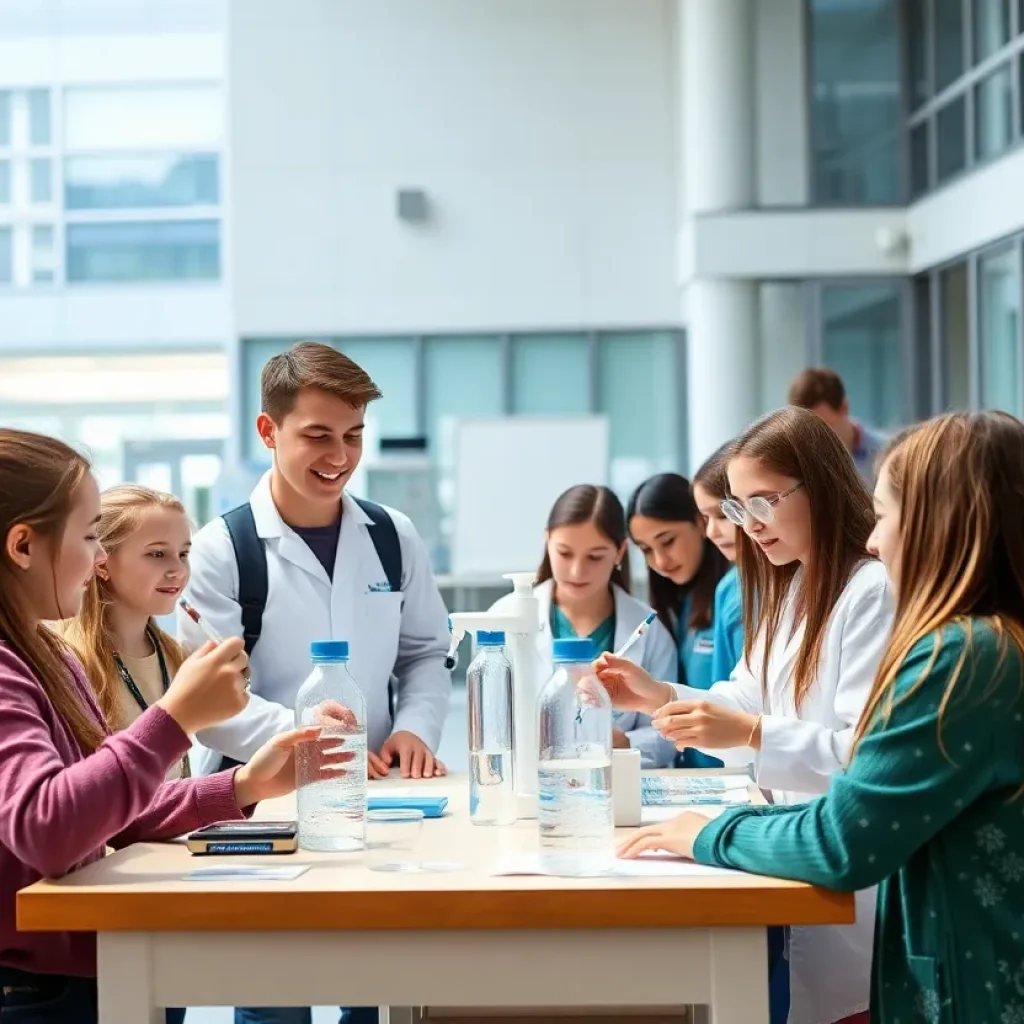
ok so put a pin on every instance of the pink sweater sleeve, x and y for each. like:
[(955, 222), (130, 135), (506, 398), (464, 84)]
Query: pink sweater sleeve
[(54, 814)]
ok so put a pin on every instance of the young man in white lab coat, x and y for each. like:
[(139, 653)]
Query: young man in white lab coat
[(324, 577)]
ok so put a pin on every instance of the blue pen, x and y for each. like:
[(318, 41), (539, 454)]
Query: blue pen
[(635, 635), (451, 660)]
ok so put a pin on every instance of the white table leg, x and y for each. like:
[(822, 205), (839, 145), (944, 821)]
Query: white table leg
[(126, 982), (739, 989)]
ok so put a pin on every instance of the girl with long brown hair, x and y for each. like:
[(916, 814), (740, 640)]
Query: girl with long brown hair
[(68, 788), (129, 660), (817, 612), (930, 806)]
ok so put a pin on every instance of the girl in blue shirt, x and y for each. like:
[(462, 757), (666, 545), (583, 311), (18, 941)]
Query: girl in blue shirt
[(710, 489), (684, 569)]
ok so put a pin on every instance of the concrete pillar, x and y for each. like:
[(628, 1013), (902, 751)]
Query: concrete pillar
[(720, 166)]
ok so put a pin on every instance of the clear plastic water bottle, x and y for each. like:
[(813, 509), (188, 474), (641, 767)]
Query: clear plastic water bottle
[(331, 811), (574, 809), (492, 798)]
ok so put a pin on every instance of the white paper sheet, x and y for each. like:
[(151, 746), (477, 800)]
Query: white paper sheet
[(246, 873), (648, 865)]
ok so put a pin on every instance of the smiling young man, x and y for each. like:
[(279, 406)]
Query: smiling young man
[(305, 561)]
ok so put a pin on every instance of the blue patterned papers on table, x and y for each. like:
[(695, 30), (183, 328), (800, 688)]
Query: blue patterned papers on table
[(672, 790)]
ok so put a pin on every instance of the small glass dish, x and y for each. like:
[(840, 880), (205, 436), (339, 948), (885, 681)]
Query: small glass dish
[(393, 839)]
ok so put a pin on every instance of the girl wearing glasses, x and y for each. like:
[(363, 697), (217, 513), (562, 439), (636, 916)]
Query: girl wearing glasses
[(814, 638), (930, 806)]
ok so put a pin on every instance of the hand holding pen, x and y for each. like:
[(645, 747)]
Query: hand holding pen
[(209, 631)]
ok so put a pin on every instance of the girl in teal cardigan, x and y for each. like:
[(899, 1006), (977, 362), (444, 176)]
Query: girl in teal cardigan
[(930, 807)]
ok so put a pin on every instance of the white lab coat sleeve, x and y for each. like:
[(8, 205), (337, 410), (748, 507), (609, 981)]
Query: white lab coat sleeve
[(212, 591), (661, 660), (803, 756), (424, 685)]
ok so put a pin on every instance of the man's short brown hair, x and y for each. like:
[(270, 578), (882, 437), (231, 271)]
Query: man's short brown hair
[(817, 385), (310, 364)]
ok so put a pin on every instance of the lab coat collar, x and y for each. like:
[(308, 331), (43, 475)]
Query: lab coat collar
[(629, 612), (269, 522), (292, 547)]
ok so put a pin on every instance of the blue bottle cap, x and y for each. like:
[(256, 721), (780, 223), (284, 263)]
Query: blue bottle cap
[(490, 638), (575, 649), (329, 650)]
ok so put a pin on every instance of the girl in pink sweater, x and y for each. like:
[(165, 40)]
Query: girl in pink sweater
[(68, 788)]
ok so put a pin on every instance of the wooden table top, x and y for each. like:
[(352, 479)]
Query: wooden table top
[(142, 889)]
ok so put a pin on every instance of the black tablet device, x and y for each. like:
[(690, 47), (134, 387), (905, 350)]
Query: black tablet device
[(250, 837)]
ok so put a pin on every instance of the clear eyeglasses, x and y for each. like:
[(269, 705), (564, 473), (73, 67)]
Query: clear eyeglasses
[(761, 508)]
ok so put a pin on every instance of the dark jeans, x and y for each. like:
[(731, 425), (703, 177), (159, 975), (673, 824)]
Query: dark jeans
[(778, 977), (300, 1015), (52, 999)]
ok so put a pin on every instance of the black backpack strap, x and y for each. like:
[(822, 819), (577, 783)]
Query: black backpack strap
[(252, 571), (385, 542)]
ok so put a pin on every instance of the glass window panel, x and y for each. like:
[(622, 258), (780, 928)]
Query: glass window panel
[(916, 34), (639, 391), (6, 256), (5, 118), (919, 143), (143, 117), (991, 27), (391, 362), (463, 378), (862, 338), (5, 182), (116, 183), (144, 251), (949, 42), (951, 125), (856, 116), (255, 353), (41, 181), (999, 287), (551, 374), (993, 114), (39, 133), (42, 238), (956, 337), (923, 361)]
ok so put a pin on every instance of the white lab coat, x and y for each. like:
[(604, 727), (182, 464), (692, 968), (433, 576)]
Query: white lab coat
[(655, 651), (404, 634), (830, 966)]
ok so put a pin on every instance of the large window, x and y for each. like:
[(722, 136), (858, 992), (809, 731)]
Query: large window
[(976, 330), (143, 251), (133, 182), (862, 331), (963, 88), (856, 116)]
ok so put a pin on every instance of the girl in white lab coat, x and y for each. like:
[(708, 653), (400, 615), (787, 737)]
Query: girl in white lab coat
[(813, 642), (582, 590)]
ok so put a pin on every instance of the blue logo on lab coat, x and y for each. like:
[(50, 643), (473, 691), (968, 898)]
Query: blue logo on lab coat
[(380, 588)]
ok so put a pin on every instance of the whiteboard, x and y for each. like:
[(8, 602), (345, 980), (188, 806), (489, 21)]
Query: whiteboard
[(508, 473)]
